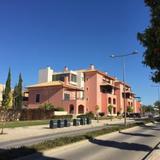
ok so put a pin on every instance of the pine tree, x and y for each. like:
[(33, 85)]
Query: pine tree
[(7, 95), (150, 39)]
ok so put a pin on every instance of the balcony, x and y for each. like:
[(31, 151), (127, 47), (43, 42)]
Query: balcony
[(128, 94), (106, 87)]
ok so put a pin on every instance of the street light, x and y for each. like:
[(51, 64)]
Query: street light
[(124, 88)]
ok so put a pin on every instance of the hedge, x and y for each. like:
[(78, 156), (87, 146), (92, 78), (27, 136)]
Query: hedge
[(89, 114), (63, 117)]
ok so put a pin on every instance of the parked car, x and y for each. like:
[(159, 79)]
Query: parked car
[(133, 115)]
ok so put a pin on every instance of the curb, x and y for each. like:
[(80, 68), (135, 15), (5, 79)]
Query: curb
[(154, 154)]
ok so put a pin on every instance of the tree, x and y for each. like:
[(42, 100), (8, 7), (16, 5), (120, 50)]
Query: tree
[(97, 114), (7, 95), (110, 108), (6, 116), (17, 94), (129, 109), (150, 39), (48, 106), (147, 109), (157, 105)]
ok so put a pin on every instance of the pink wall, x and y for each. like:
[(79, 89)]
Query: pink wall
[(90, 91), (47, 95), (55, 96), (96, 97)]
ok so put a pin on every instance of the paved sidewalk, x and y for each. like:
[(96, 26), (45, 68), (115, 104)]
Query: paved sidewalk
[(32, 131)]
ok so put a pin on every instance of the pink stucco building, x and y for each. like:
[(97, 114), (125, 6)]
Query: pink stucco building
[(81, 91)]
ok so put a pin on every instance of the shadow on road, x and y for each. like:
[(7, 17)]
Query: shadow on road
[(156, 129), (137, 134), (121, 145), (16, 153)]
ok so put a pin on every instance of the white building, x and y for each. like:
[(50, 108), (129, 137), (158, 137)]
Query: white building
[(74, 77), (1, 93)]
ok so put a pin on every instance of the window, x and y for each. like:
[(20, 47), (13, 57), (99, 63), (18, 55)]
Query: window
[(73, 78), (59, 77), (66, 96), (87, 88), (109, 100), (87, 99), (37, 98), (114, 101)]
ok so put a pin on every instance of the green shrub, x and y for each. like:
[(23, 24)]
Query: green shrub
[(59, 109), (101, 114), (47, 106), (89, 115), (69, 116)]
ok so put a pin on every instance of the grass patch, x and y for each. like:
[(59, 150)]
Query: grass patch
[(25, 123)]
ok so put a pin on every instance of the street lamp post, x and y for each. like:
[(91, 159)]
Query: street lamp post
[(124, 87)]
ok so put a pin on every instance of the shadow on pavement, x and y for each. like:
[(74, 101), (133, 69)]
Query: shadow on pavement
[(138, 134), (20, 153), (121, 145), (156, 129)]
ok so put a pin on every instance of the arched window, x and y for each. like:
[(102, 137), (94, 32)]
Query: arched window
[(80, 109), (114, 101)]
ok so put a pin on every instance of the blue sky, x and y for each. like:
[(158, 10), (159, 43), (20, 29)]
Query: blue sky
[(39, 33)]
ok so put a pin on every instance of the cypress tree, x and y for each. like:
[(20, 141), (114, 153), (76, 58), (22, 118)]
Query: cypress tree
[(7, 95), (15, 94), (19, 90)]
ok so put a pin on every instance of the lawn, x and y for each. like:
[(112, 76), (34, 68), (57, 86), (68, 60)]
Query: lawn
[(25, 123)]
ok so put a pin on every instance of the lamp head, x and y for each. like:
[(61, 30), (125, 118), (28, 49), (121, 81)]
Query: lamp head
[(112, 56)]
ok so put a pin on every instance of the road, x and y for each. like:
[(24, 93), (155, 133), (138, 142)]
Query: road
[(131, 144), (37, 139)]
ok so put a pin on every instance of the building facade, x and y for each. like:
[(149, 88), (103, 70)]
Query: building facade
[(81, 91)]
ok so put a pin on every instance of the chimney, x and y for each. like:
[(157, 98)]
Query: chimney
[(92, 67), (65, 69)]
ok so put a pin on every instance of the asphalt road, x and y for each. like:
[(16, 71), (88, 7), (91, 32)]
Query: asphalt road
[(37, 139), (132, 144)]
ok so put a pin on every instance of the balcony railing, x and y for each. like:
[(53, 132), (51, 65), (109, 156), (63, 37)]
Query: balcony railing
[(73, 98)]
